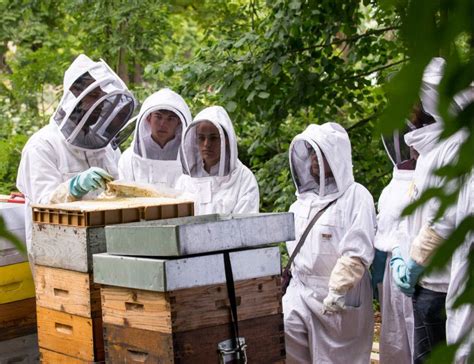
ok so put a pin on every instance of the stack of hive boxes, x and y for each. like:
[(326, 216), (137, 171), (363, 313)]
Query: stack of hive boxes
[(68, 302), (18, 339), (165, 295)]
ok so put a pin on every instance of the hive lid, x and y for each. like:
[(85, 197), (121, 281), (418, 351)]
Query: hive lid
[(164, 275), (199, 234)]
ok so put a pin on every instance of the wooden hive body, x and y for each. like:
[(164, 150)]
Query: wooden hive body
[(185, 326), (65, 237), (177, 310), (18, 340)]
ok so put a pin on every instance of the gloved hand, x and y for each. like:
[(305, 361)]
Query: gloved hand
[(405, 275), (334, 302), (89, 180), (378, 269)]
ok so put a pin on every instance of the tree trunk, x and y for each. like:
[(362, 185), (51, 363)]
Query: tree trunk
[(122, 63), (137, 73)]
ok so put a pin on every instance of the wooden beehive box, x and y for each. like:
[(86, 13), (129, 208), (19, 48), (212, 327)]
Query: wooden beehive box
[(172, 305), (65, 236), (177, 311), (18, 340), (17, 318)]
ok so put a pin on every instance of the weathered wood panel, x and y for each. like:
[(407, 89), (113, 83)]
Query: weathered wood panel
[(67, 247), (71, 335), (136, 308), (264, 337), (23, 349), (128, 345), (17, 319), (67, 291), (51, 357), (209, 306), (189, 309)]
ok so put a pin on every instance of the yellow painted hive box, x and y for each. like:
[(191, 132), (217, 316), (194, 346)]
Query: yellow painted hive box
[(16, 282)]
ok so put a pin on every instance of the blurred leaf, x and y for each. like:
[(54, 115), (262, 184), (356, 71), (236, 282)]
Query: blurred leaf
[(4, 233)]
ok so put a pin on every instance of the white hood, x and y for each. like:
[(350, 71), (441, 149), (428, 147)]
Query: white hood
[(191, 157), (164, 99), (115, 104), (429, 94), (424, 138), (332, 140)]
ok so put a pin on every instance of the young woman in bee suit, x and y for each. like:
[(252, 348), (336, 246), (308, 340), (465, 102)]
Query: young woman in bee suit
[(328, 305), (213, 174), (71, 157), (153, 156), (428, 292), (396, 335)]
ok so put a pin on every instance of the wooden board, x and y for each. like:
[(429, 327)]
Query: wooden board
[(199, 234), (51, 357), (129, 345), (197, 307), (17, 319), (16, 282), (67, 247), (264, 338), (136, 308), (189, 309), (162, 275), (67, 291), (71, 335), (23, 349), (106, 212)]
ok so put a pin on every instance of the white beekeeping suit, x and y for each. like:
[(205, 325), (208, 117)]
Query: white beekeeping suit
[(396, 335), (330, 272), (95, 105), (231, 187), (433, 154), (429, 291), (460, 321), (145, 161)]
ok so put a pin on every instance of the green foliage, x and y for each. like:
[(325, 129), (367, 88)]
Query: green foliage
[(5, 233)]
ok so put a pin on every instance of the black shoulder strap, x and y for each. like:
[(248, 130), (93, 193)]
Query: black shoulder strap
[(234, 323), (305, 234)]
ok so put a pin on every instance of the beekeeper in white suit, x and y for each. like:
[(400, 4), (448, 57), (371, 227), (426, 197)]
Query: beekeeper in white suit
[(71, 156), (429, 291), (213, 174), (328, 305), (460, 320), (153, 156), (396, 334)]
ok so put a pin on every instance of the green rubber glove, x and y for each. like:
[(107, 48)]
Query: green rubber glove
[(89, 180)]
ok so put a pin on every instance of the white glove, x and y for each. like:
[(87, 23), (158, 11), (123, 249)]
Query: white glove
[(334, 302)]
